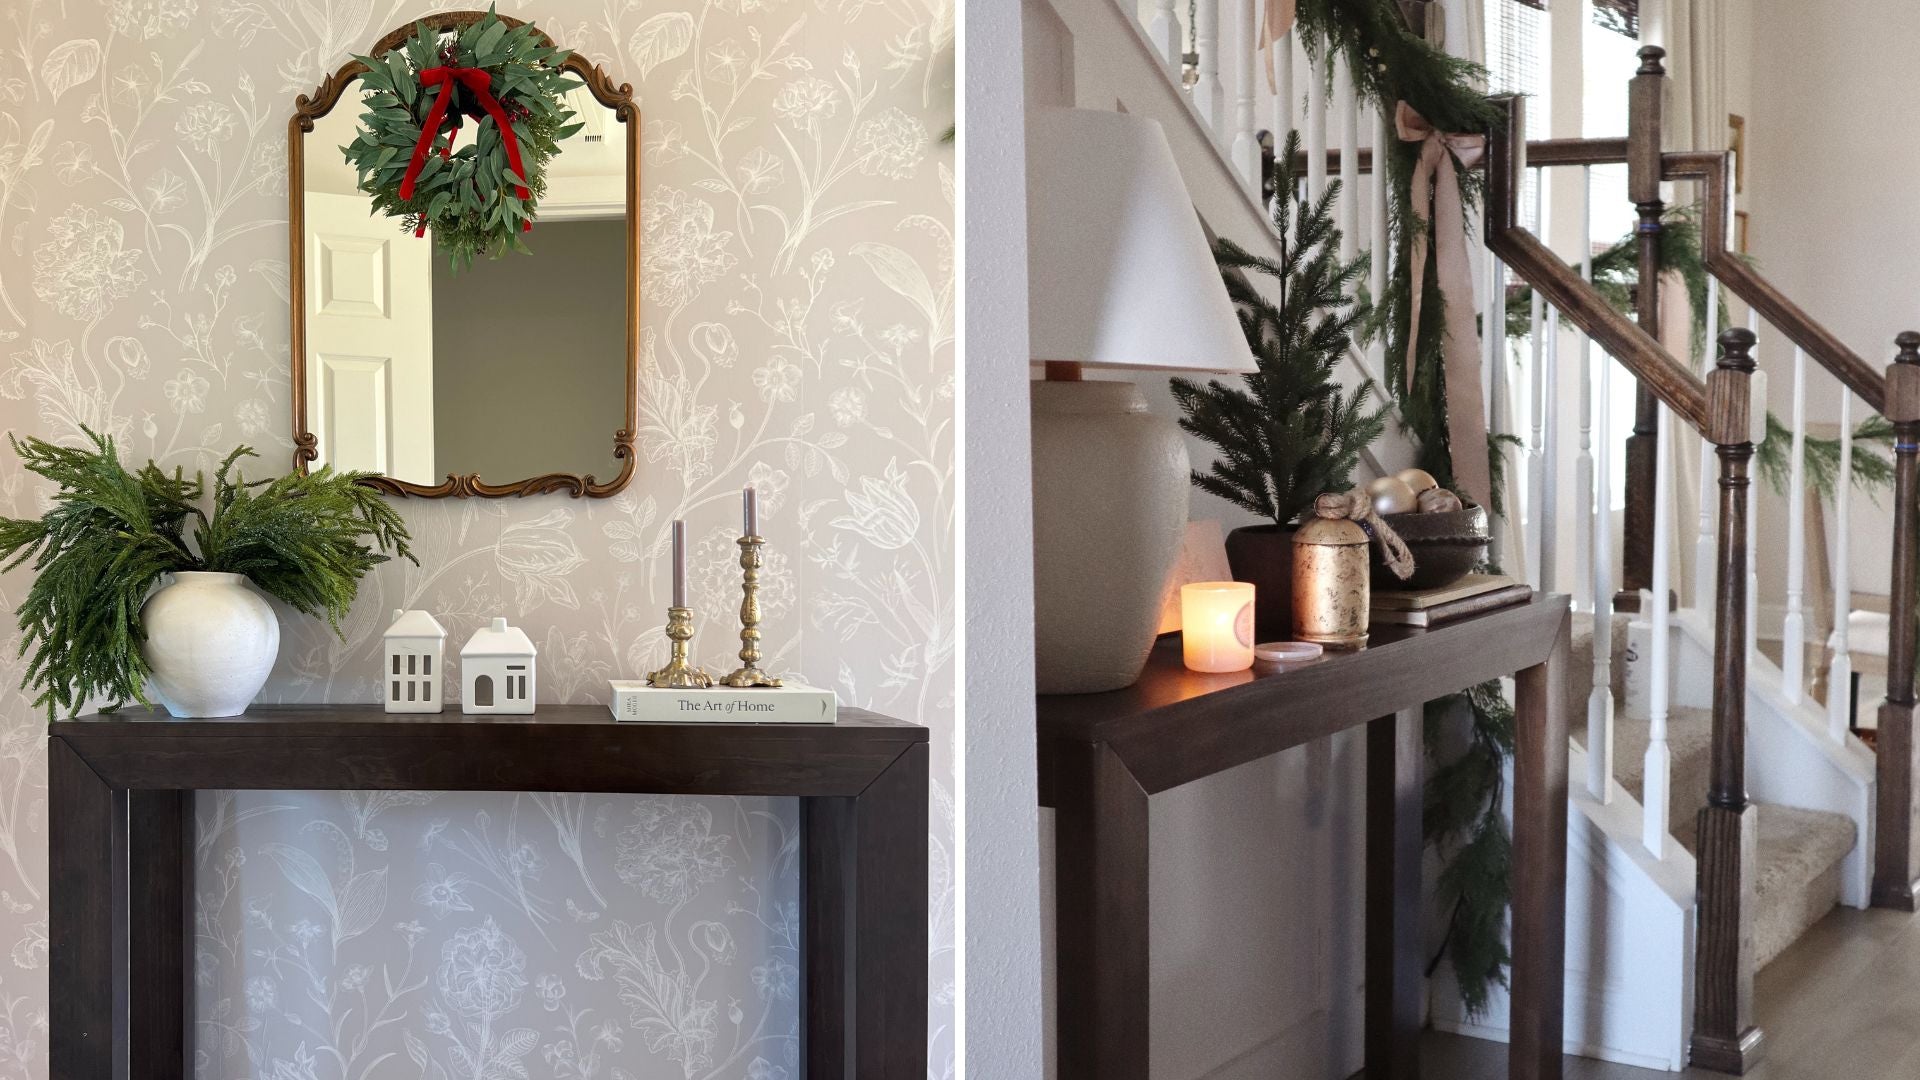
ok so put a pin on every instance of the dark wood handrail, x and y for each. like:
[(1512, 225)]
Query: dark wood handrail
[(1562, 286), (1540, 152), (1711, 169)]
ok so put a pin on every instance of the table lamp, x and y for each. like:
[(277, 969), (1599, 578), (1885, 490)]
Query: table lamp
[(1120, 275)]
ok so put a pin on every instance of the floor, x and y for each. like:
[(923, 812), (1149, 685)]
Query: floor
[(1843, 1001)]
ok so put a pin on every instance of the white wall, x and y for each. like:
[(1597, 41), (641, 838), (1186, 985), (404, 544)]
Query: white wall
[(1001, 887)]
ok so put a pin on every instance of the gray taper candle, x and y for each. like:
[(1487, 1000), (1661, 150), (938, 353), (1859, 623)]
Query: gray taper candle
[(679, 563)]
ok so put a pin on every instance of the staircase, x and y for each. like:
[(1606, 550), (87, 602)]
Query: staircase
[(1799, 853)]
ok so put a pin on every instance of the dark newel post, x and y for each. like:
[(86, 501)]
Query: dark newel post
[(1643, 185), (1893, 860), (1724, 1036)]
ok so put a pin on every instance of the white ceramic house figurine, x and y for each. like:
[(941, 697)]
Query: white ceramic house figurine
[(416, 646), (496, 667)]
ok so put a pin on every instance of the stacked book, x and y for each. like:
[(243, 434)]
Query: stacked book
[(1471, 595), (634, 700)]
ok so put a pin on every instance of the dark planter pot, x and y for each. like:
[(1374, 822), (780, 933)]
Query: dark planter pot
[(1263, 556), (1446, 547)]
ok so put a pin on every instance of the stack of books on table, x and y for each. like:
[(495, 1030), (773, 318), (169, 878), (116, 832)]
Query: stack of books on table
[(1471, 595), (634, 700)]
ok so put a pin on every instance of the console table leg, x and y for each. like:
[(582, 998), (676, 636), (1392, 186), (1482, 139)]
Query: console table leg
[(1394, 965), (1100, 891), (86, 825), (1539, 866), (864, 949), (159, 932)]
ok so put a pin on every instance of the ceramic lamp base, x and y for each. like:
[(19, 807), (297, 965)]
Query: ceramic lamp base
[(1109, 509)]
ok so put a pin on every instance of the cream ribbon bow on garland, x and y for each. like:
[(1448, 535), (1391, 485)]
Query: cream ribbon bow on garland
[(1435, 195), (1273, 28)]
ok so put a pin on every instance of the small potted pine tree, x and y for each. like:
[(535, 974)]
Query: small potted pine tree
[(1289, 432), (121, 600)]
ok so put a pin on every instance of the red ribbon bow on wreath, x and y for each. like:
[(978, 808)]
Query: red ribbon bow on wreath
[(477, 81)]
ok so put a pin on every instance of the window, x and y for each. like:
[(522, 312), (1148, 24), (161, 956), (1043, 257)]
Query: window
[(426, 691), (410, 691), (396, 682), (396, 663), (426, 664), (412, 660), (1619, 16)]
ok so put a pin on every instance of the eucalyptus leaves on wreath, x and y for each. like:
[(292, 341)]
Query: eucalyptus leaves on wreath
[(111, 533), (479, 197)]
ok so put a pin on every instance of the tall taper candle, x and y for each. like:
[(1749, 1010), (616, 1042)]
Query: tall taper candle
[(679, 563), (749, 511)]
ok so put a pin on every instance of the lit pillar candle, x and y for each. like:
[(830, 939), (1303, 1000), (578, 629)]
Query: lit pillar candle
[(749, 511), (679, 563), (1216, 625)]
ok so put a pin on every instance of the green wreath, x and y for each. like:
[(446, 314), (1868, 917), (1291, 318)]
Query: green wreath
[(479, 198)]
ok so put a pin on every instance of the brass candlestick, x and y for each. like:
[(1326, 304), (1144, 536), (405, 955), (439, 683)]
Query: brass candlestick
[(680, 674), (749, 673)]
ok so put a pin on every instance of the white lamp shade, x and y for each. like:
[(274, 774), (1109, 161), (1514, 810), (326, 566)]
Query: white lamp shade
[(1120, 273)]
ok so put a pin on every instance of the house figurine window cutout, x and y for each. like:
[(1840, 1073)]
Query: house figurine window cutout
[(416, 645), (497, 670)]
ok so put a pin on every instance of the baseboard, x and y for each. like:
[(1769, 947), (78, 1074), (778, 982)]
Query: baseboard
[(1577, 1049)]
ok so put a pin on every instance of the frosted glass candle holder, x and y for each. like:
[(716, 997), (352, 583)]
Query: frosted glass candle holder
[(1216, 625)]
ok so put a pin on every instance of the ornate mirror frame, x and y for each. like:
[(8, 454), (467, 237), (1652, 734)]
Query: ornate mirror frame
[(306, 110)]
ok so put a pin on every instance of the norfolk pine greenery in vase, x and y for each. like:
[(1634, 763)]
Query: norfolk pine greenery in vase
[(1289, 433), (101, 623)]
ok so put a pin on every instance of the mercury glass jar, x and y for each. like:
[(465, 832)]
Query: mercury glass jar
[(1330, 593)]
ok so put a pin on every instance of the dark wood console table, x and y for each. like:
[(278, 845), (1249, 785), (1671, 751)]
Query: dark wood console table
[(121, 817), (1102, 756)]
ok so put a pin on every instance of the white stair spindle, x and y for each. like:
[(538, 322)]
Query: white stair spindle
[(1493, 316), (1163, 30), (1537, 406), (1600, 701), (1793, 632), (1753, 509), (1705, 548), (1316, 127), (1347, 101), (1285, 98), (1657, 779), (1583, 466), (1599, 528), (1840, 672), (1209, 97), (1377, 215), (1246, 147)]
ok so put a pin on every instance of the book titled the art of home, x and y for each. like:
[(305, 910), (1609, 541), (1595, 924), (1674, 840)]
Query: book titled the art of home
[(635, 701)]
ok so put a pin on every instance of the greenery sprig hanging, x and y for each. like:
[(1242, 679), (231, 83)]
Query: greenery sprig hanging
[(1616, 271), (477, 199), (112, 532), (1465, 821)]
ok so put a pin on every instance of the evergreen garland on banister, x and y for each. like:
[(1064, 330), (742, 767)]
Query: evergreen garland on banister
[(1465, 820), (1615, 273), (112, 533), (1290, 432)]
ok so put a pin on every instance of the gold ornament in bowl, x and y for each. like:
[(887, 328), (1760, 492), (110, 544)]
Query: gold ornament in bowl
[(1392, 495)]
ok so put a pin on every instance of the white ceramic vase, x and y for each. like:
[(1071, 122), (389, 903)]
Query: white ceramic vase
[(211, 642), (1109, 510)]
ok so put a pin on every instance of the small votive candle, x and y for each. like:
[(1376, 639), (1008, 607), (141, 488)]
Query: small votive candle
[(1216, 625)]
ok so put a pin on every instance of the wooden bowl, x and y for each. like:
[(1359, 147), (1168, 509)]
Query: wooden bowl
[(1446, 547)]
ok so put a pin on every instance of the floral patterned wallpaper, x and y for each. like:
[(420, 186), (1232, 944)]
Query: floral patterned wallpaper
[(798, 286)]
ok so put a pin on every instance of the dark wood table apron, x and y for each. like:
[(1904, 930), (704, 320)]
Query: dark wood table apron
[(121, 789), (1102, 755)]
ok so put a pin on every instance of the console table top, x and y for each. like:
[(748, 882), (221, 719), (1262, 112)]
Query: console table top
[(1174, 726), (556, 748)]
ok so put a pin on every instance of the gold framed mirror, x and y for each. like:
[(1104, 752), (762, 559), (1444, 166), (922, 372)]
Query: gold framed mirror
[(517, 375)]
